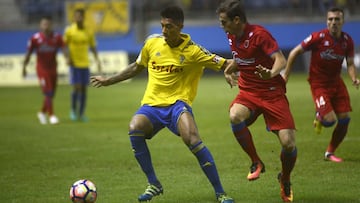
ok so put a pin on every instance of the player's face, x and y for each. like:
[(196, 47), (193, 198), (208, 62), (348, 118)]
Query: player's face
[(171, 31), (335, 21), (230, 26), (78, 17), (45, 25)]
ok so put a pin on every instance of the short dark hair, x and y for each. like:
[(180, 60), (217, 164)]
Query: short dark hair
[(232, 8), (46, 17), (81, 11), (173, 12), (336, 9)]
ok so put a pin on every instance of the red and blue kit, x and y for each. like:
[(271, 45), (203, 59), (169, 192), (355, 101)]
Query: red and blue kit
[(265, 96), (255, 47), (327, 56), (46, 48)]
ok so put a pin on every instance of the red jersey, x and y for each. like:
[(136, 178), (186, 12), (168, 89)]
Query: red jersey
[(46, 48), (327, 56), (255, 47)]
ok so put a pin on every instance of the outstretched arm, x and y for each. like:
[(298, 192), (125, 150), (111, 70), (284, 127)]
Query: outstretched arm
[(290, 62), (352, 72), (129, 72)]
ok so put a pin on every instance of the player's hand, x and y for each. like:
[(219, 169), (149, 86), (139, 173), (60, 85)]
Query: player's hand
[(356, 83), (231, 79), (98, 81), (262, 72)]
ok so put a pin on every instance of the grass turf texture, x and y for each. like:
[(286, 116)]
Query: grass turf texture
[(39, 163)]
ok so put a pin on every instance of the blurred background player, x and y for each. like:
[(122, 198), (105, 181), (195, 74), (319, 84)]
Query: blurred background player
[(329, 47), (175, 65), (262, 91), (46, 43), (79, 40)]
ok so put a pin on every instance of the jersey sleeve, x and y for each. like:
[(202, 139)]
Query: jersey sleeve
[(143, 56), (310, 41), (31, 44), (92, 39), (267, 42), (350, 52), (66, 36), (60, 41), (208, 59)]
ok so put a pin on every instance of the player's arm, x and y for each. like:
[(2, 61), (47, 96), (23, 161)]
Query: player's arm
[(294, 53), (65, 47), (279, 64), (230, 69), (129, 72), (65, 52), (351, 68), (96, 57), (30, 48), (26, 62)]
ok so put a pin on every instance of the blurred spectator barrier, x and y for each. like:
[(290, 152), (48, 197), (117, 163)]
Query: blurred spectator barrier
[(102, 16), (11, 67)]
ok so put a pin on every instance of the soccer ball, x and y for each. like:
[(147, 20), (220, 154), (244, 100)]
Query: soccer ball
[(83, 191)]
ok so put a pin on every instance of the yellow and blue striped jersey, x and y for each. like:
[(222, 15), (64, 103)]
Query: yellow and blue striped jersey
[(78, 42), (174, 73)]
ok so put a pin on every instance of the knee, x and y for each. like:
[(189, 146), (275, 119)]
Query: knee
[(140, 126), (190, 137), (236, 117), (287, 139)]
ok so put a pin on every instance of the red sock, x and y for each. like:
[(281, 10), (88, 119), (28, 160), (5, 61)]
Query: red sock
[(288, 160), (338, 135), (244, 138)]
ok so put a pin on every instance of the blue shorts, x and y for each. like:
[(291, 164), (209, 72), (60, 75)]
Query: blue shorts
[(168, 116), (79, 76)]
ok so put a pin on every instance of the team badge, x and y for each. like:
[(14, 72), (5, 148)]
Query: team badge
[(157, 54), (344, 45), (182, 59), (246, 43), (326, 43)]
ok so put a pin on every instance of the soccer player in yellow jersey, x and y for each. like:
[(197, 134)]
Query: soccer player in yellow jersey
[(79, 40), (174, 64)]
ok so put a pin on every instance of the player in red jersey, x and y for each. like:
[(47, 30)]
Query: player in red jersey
[(329, 47), (46, 43), (262, 91)]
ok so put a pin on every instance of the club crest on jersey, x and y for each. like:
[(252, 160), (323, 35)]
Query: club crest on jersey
[(182, 59), (344, 45), (326, 43), (157, 54), (246, 43)]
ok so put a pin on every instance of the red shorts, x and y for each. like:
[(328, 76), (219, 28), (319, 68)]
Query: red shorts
[(276, 110), (47, 80), (329, 99)]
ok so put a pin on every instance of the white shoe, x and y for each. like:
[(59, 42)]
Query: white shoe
[(42, 118), (53, 119)]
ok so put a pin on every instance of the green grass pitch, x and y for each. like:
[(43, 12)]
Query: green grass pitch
[(39, 163)]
